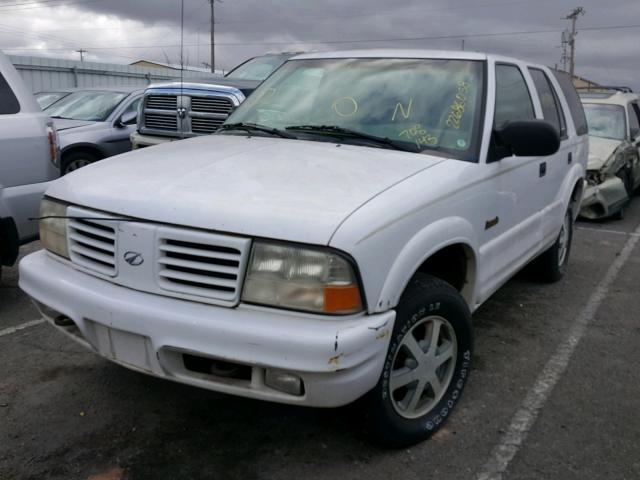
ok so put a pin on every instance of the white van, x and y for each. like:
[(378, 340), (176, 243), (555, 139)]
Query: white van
[(28, 157)]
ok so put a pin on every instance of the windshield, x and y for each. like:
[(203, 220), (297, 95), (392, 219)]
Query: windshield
[(428, 105), (91, 105), (606, 121), (257, 68), (45, 99)]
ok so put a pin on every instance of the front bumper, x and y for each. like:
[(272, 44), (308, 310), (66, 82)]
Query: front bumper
[(338, 359), (604, 199), (139, 140)]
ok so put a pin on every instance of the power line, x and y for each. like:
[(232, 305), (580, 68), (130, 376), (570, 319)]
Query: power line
[(360, 40), (37, 5)]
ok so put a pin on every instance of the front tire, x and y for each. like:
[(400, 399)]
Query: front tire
[(427, 364), (76, 160)]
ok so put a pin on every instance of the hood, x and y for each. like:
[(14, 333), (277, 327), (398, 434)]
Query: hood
[(62, 124), (265, 187), (600, 149), (245, 86)]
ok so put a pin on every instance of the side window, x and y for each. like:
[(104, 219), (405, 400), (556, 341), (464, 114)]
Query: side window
[(133, 106), (551, 108), (513, 101), (575, 105), (634, 123), (8, 102)]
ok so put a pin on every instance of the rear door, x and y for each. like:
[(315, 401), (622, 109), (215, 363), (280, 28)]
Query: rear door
[(634, 133), (554, 168)]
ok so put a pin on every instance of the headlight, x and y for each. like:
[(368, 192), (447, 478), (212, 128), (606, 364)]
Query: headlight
[(298, 278), (53, 231)]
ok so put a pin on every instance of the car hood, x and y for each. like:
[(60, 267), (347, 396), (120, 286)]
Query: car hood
[(600, 149), (264, 187), (245, 86), (62, 124)]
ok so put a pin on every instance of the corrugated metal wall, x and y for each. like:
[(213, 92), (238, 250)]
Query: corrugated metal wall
[(49, 73)]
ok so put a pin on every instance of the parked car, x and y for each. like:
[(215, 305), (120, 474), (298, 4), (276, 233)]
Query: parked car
[(177, 110), (331, 241), (613, 173), (28, 151), (95, 123), (47, 98)]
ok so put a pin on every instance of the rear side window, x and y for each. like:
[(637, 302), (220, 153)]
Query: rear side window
[(8, 101), (575, 105), (634, 123), (551, 109), (513, 102)]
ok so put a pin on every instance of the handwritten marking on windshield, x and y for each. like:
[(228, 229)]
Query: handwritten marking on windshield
[(459, 106), (345, 106), (405, 113), (419, 135)]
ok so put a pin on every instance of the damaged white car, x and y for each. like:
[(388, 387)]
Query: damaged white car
[(613, 172)]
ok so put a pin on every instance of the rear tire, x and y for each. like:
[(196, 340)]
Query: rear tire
[(76, 160), (427, 364), (552, 264)]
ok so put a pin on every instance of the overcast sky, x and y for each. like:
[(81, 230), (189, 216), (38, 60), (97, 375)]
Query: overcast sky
[(121, 31)]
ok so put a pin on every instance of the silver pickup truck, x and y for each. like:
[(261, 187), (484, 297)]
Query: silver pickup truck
[(28, 151), (177, 110)]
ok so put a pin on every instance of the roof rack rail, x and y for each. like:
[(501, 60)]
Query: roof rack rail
[(605, 88)]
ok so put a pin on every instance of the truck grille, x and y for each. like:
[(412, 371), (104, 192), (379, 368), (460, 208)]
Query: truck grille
[(219, 105), (203, 115), (205, 125), (162, 102), (161, 122), (92, 244)]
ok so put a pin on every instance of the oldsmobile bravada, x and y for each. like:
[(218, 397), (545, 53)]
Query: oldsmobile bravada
[(331, 241)]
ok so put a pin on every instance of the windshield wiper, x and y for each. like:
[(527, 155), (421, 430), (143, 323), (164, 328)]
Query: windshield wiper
[(254, 127), (347, 132)]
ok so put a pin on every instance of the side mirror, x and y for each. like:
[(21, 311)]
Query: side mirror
[(634, 133), (528, 138), (129, 118)]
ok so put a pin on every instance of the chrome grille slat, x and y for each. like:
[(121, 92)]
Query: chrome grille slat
[(205, 125), (162, 102), (211, 105), (161, 122), (92, 244)]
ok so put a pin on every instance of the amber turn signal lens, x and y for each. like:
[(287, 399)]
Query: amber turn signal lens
[(342, 299)]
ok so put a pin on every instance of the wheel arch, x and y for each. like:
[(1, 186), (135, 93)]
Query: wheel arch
[(446, 250), (82, 147)]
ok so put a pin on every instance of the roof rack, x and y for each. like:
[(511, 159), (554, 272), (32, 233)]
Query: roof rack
[(605, 88)]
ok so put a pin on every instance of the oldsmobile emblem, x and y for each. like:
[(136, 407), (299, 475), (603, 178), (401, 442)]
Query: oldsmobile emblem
[(133, 258)]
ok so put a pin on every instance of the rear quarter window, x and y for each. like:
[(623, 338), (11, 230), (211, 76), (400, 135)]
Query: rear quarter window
[(8, 102), (575, 105)]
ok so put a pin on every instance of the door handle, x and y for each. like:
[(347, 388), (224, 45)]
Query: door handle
[(570, 158), (543, 169)]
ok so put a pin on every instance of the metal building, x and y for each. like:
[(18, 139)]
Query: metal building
[(41, 73)]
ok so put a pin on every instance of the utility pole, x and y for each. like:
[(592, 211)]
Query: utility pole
[(213, 37), (573, 16), (81, 52), (463, 44)]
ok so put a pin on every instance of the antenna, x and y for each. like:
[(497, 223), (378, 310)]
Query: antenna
[(181, 109)]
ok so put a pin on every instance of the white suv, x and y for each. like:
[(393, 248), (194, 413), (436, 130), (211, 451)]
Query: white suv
[(28, 151), (330, 242)]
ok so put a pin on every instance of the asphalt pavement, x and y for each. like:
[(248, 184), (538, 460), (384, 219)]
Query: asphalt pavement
[(554, 394)]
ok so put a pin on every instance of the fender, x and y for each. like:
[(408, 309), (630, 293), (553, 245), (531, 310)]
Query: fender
[(429, 240), (574, 177), (83, 146)]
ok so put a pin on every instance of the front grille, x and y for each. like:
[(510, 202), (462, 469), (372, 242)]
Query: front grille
[(205, 126), (219, 105), (162, 102), (161, 122), (204, 265), (92, 244)]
